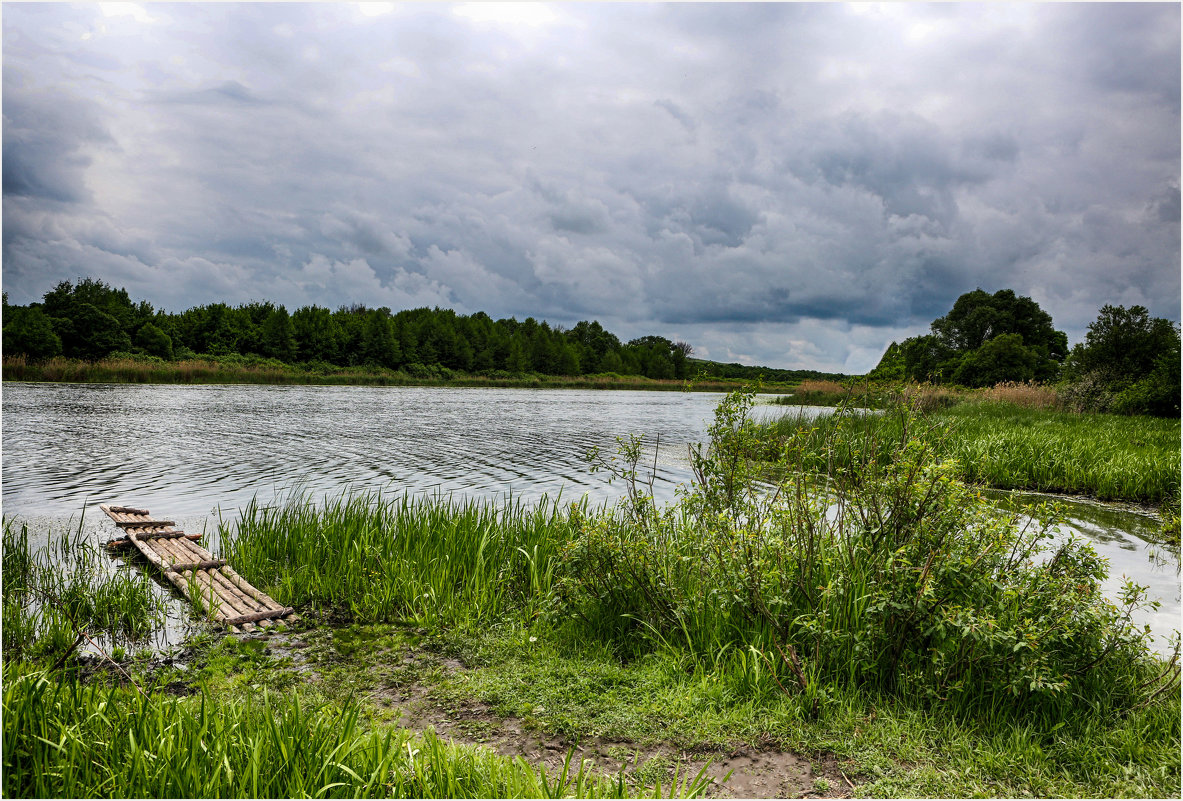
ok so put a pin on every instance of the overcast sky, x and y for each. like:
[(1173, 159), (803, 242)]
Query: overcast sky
[(793, 185)]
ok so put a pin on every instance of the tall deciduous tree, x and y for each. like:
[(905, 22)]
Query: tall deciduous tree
[(1135, 357), (278, 336), (953, 351)]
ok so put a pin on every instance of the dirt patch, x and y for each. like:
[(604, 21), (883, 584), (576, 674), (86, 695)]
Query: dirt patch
[(761, 771)]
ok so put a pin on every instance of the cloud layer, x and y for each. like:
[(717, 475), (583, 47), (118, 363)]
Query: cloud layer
[(787, 184)]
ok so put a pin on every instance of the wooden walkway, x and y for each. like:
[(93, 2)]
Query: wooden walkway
[(217, 589)]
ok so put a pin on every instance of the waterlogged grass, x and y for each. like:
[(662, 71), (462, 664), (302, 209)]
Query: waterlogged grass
[(61, 595), (1002, 445), (67, 739)]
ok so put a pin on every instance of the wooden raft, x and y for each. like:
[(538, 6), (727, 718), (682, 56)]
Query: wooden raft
[(215, 586)]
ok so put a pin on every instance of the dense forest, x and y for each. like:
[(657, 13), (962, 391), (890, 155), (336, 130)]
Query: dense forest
[(91, 320), (1128, 363)]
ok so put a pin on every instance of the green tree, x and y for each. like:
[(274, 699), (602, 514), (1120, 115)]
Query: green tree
[(95, 334), (1123, 344), (379, 347), (891, 366), (1001, 358), (154, 341), (278, 336), (317, 336), (29, 331), (1134, 356), (976, 319), (611, 363)]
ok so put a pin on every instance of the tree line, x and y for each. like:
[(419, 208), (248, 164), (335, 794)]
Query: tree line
[(91, 320), (1128, 363)]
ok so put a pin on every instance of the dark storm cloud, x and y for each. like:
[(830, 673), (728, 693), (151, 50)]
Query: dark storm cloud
[(790, 184), (44, 135)]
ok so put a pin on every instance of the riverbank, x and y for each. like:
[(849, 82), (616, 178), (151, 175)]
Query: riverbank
[(941, 653), (257, 370), (1008, 446)]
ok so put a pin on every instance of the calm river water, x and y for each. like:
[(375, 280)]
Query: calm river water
[(193, 452)]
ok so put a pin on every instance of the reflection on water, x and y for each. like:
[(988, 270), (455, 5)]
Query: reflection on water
[(189, 451)]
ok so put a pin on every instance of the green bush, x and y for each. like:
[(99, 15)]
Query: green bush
[(888, 573)]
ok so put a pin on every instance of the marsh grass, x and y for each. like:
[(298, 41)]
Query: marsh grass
[(68, 739), (1002, 445), (869, 565), (237, 369), (427, 561), (57, 595), (1027, 395)]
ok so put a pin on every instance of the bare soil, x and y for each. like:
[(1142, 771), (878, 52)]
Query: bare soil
[(743, 771)]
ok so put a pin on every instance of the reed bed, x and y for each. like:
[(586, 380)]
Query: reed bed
[(1026, 395), (811, 392), (246, 370), (58, 595), (66, 739)]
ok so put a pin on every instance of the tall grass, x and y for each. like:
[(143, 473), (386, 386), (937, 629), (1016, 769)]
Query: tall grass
[(65, 739), (1026, 394), (420, 560), (870, 564), (237, 369), (1003, 445)]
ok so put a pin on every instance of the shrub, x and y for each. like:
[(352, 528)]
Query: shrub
[(858, 570)]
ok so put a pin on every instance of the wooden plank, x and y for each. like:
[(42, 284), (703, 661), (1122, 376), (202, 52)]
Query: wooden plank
[(207, 598), (179, 567), (260, 616), (162, 534), (191, 551), (203, 579), (124, 542), (245, 586), (244, 601), (127, 510), (253, 604), (233, 607)]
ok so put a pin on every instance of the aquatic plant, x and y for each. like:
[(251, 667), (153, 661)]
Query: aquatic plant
[(869, 564), (56, 596), (416, 559)]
